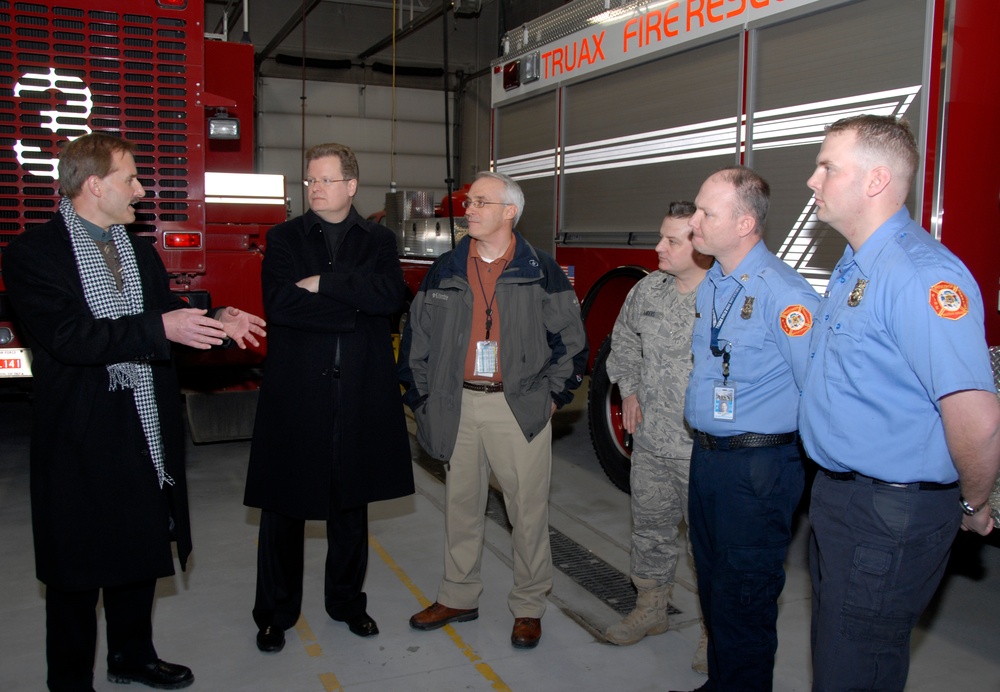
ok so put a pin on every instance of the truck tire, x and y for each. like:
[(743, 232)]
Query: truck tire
[(604, 411)]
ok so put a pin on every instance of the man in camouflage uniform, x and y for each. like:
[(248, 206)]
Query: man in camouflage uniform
[(650, 360)]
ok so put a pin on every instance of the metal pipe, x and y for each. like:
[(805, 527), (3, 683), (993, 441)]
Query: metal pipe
[(246, 22), (449, 179)]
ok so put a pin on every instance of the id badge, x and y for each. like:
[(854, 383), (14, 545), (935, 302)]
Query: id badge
[(723, 401), (486, 358)]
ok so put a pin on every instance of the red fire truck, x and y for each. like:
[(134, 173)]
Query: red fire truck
[(144, 69), (606, 110)]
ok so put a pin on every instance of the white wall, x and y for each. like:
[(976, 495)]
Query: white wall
[(362, 118)]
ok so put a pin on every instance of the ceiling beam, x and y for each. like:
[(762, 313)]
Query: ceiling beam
[(293, 21), (420, 22)]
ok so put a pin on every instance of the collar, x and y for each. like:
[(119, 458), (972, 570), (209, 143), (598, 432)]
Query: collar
[(523, 264), (748, 268), (867, 255), (100, 235), (311, 220), (508, 254)]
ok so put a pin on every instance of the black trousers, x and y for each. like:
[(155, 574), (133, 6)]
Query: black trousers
[(71, 632), (280, 549)]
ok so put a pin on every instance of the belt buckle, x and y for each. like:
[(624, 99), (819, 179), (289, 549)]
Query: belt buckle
[(894, 485)]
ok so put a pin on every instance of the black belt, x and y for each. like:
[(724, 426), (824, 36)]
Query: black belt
[(852, 475), (487, 387), (745, 440)]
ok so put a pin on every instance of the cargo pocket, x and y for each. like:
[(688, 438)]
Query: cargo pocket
[(760, 573), (862, 618)]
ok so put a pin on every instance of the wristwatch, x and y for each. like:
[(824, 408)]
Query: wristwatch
[(969, 509)]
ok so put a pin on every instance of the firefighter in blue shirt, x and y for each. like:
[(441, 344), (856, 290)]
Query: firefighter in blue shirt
[(750, 347), (899, 410)]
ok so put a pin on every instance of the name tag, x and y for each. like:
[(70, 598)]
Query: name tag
[(486, 358), (723, 401)]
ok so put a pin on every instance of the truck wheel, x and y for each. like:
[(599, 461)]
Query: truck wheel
[(604, 410)]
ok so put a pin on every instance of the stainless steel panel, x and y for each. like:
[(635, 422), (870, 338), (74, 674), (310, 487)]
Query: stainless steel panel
[(429, 237)]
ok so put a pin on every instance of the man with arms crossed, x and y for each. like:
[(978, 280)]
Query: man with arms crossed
[(330, 434), (899, 410)]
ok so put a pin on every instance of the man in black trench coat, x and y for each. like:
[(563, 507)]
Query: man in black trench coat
[(107, 449), (329, 435)]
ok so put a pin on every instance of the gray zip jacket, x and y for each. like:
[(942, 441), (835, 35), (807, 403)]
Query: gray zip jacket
[(543, 346)]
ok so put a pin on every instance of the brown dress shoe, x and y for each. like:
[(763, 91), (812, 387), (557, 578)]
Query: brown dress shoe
[(527, 632), (436, 615)]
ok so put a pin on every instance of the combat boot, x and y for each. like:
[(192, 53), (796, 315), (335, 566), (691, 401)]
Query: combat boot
[(649, 616)]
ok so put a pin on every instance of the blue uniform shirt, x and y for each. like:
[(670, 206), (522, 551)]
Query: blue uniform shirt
[(768, 344), (884, 353)]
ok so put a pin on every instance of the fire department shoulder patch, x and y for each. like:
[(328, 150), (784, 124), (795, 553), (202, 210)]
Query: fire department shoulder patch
[(949, 301), (796, 320)]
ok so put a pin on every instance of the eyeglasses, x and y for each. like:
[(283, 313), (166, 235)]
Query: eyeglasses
[(311, 182), (480, 203)]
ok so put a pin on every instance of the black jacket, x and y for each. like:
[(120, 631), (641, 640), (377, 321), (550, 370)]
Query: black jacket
[(330, 430), (98, 514)]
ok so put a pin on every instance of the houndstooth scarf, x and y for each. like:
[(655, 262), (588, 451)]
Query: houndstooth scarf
[(106, 302)]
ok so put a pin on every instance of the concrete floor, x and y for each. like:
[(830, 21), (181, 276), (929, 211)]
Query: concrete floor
[(202, 618)]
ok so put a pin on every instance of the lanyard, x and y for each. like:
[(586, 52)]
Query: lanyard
[(489, 301), (717, 322)]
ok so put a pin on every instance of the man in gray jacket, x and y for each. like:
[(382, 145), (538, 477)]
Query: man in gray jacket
[(494, 345)]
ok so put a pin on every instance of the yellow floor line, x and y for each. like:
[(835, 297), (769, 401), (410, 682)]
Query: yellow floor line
[(484, 668), (307, 637), (330, 682)]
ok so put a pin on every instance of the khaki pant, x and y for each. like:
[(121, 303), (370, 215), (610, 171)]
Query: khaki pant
[(489, 438)]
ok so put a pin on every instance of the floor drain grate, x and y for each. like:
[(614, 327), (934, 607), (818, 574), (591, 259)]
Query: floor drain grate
[(579, 564), (569, 557)]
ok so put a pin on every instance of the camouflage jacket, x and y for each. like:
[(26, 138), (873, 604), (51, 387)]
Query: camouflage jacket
[(651, 357)]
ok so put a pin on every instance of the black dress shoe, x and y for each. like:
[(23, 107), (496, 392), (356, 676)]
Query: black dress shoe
[(158, 674), (362, 625), (271, 640)]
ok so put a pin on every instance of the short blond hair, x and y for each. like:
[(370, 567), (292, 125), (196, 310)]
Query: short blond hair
[(883, 140), (348, 161)]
